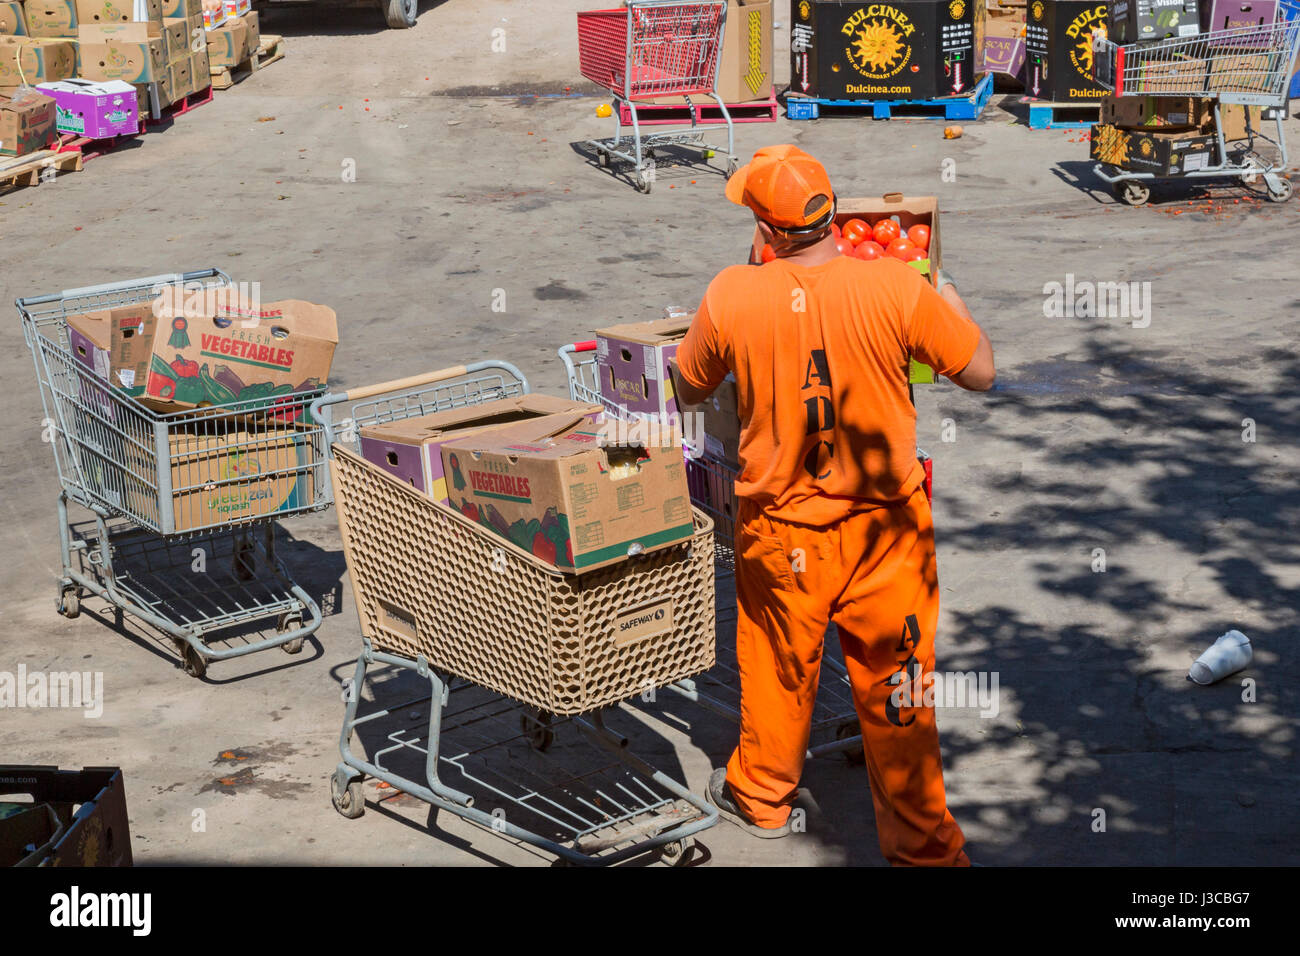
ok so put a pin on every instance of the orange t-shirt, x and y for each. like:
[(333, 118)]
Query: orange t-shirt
[(820, 355)]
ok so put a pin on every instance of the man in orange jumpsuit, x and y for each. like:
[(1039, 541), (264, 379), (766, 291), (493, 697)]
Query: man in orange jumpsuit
[(833, 523)]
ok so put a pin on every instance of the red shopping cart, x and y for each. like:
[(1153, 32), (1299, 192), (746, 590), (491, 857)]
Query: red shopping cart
[(649, 49)]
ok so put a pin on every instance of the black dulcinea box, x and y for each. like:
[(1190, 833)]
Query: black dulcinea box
[(901, 50), (1059, 38)]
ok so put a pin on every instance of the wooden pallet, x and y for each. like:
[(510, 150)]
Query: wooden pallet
[(1046, 115), (965, 107), (18, 171), (271, 50)]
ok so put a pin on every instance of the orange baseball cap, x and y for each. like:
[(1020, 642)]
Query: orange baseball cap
[(785, 186)]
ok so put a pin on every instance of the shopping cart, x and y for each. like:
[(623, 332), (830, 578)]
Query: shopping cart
[(517, 656), (1247, 65), (835, 727), (655, 48), (164, 541)]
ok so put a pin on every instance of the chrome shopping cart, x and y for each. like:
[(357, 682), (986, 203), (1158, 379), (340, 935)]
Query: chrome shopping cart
[(521, 668), (649, 49), (1247, 66), (183, 506), (713, 490)]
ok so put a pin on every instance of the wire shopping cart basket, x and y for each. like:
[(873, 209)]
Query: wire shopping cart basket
[(183, 505), (711, 481), (1249, 66), (655, 48), (520, 665)]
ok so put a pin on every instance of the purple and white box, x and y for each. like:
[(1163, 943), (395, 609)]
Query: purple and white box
[(95, 109)]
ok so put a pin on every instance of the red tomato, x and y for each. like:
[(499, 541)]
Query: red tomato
[(768, 254), (835, 230), (845, 247), (869, 249), (920, 235), (886, 231), (855, 230), (899, 246), (915, 254)]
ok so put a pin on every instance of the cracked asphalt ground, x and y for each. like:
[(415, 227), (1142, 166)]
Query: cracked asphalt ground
[(1101, 441)]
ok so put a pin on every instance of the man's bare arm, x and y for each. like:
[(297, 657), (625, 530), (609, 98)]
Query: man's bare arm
[(979, 373), (686, 392)]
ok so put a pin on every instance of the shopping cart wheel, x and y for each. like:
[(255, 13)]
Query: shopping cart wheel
[(400, 14), (192, 660), (290, 622), (1133, 192), (680, 853), (851, 728), (536, 728), (645, 176), (602, 159), (732, 166), (1283, 192), (346, 797), (70, 602)]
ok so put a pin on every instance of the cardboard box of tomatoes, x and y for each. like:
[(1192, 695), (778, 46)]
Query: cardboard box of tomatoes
[(552, 487), (409, 448), (906, 227), (904, 49)]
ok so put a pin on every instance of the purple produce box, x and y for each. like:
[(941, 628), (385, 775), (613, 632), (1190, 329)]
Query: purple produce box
[(1003, 55), (1235, 14), (96, 109), (632, 361)]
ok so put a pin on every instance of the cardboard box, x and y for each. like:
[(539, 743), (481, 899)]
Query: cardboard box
[(89, 804), (200, 71), (227, 44), (118, 11), (745, 69), (248, 474), (163, 83), (179, 72), (409, 449), (236, 8), (90, 339), (234, 351), (1173, 77), (213, 18), (50, 18), (128, 61), (176, 39), (716, 430), (550, 487), (184, 9), (907, 49), (253, 25), (96, 109), (632, 362), (1139, 21), (26, 127), (1148, 151), (1236, 14), (1242, 73), (12, 20), (1058, 49), (1003, 47), (1233, 117), (41, 60), (115, 31), (1136, 112)]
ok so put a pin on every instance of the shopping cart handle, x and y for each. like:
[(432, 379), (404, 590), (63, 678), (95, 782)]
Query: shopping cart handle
[(399, 384), (588, 346)]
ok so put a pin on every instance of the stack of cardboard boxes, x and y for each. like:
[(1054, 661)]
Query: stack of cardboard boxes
[(1003, 48), (234, 37), (1167, 134)]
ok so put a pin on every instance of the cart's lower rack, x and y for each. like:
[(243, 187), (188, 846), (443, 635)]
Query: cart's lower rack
[(485, 758)]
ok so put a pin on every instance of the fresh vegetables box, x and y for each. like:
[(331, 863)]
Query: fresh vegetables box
[(552, 487), (212, 347)]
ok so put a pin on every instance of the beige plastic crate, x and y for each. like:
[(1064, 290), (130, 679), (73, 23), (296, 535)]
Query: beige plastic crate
[(427, 581)]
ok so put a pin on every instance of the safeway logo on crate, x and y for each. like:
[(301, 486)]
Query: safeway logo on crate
[(644, 622)]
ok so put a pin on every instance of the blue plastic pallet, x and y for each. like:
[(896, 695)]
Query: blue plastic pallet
[(1044, 115), (954, 107)]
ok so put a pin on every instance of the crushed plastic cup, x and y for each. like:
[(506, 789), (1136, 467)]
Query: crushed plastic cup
[(1229, 654)]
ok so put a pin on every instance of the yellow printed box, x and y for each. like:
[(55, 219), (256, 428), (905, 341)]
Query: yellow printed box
[(131, 62)]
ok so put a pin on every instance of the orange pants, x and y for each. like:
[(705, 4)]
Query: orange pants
[(873, 574)]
